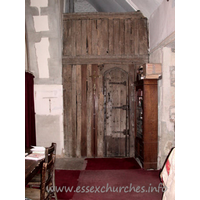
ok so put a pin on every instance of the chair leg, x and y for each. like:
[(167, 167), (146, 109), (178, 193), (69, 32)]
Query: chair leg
[(55, 195)]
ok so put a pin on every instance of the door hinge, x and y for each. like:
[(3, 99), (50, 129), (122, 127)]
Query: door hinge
[(124, 107), (121, 83), (125, 132)]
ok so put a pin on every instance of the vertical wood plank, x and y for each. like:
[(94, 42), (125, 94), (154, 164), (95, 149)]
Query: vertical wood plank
[(78, 113), (132, 109), (83, 38), (65, 32), (83, 111), (133, 36), (94, 37), (109, 91), (99, 37), (78, 37), (143, 45), (116, 37), (67, 84), (73, 103), (110, 38), (66, 38), (104, 38), (100, 138), (95, 111), (127, 36), (89, 37), (64, 72), (89, 109), (136, 37), (122, 37), (73, 37), (96, 103)]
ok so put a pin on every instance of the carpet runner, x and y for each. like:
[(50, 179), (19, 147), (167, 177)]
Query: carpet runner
[(111, 163)]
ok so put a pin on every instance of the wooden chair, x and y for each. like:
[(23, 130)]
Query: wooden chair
[(47, 183)]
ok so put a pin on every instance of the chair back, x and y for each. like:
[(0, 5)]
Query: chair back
[(48, 173)]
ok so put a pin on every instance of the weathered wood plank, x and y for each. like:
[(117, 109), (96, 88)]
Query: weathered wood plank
[(116, 37), (122, 36), (73, 38), (73, 107), (122, 96), (127, 36), (100, 138), (89, 109), (84, 36), (67, 84), (83, 111), (110, 38), (89, 37), (95, 99), (104, 37), (94, 37), (133, 36), (131, 109), (99, 37), (136, 37), (67, 29), (78, 37), (143, 44), (78, 113)]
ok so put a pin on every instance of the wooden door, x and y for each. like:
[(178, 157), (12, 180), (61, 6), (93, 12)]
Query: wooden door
[(116, 118)]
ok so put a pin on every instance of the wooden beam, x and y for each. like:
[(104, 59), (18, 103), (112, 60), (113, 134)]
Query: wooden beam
[(102, 15), (140, 59)]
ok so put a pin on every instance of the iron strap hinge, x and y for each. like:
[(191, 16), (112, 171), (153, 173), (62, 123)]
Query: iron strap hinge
[(124, 107), (125, 132), (122, 83)]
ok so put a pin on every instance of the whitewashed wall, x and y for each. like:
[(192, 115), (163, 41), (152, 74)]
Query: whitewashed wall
[(49, 115), (161, 23), (162, 50), (44, 43)]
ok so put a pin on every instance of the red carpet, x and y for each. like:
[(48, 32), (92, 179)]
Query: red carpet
[(119, 185), (116, 184), (66, 179), (111, 163)]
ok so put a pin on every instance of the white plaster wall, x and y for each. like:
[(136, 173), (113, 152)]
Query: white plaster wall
[(161, 23), (42, 53), (166, 102), (147, 7), (162, 44), (44, 43), (49, 115)]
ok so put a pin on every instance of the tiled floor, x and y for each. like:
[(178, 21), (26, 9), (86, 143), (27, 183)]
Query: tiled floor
[(70, 163)]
